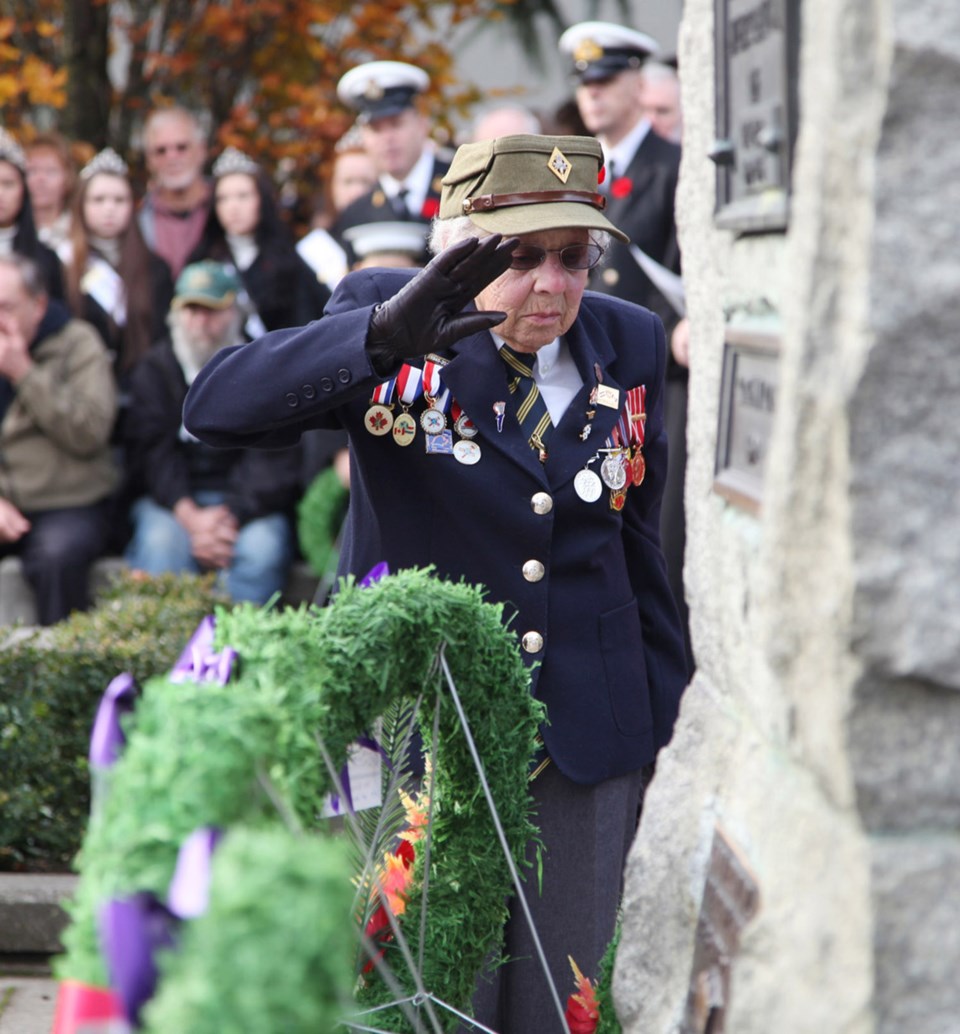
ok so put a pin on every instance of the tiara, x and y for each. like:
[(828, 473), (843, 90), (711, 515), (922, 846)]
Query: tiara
[(11, 151), (233, 160), (106, 160)]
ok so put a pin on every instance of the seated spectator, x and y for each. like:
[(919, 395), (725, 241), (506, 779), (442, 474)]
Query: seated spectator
[(18, 232), (114, 281), (51, 177), (244, 229), (178, 198), (58, 404), (205, 509)]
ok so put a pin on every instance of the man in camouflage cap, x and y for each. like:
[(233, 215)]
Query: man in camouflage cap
[(506, 427)]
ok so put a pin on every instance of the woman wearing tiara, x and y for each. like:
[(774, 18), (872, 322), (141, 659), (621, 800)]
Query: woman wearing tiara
[(18, 231), (244, 229), (114, 281)]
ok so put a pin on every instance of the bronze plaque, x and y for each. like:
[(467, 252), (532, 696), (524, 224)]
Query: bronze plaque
[(757, 43), (748, 395), (731, 899)]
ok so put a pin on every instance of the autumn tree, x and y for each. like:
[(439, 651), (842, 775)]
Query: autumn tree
[(263, 71)]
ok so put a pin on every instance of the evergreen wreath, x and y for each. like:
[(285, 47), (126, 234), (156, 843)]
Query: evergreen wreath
[(320, 514), (246, 754)]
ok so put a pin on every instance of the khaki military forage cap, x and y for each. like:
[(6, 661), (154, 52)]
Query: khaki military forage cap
[(525, 184)]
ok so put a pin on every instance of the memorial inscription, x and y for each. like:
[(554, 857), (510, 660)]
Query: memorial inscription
[(756, 74), (748, 396)]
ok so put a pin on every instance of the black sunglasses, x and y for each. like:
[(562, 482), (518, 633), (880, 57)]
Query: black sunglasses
[(573, 257)]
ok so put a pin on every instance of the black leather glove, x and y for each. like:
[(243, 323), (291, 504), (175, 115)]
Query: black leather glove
[(427, 315)]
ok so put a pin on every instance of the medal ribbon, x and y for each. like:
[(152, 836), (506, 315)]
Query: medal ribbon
[(432, 385), (637, 411), (383, 393), (409, 383)]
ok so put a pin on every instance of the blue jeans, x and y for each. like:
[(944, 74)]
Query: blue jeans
[(262, 555)]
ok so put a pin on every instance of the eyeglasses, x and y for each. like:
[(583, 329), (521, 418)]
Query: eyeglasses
[(573, 258), (161, 149)]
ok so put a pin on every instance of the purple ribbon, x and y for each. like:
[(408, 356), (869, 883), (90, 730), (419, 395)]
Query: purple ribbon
[(199, 662), (375, 573), (132, 931), (189, 891), (107, 738)]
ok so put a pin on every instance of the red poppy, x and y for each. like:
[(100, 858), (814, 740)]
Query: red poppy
[(621, 187), (431, 208), (601, 175)]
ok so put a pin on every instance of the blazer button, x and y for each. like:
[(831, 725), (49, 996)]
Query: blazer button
[(344, 376), (533, 570), (308, 391), (542, 503), (293, 399), (532, 642), (326, 383)]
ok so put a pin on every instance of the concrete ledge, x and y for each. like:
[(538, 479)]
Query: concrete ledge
[(32, 917), (16, 596)]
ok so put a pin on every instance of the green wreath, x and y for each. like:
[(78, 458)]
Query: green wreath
[(320, 515), (246, 754)]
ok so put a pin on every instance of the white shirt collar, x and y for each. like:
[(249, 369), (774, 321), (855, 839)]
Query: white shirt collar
[(622, 155), (416, 182), (546, 355)]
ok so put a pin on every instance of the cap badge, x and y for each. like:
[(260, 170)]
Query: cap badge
[(373, 91), (559, 165), (201, 280), (587, 50)]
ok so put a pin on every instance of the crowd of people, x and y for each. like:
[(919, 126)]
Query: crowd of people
[(93, 454)]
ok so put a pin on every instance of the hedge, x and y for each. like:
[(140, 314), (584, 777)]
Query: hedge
[(51, 681)]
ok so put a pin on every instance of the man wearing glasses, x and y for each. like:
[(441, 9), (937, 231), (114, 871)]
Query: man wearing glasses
[(177, 201), (506, 426)]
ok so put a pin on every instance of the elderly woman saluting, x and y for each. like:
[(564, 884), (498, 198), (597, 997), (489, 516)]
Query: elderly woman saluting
[(507, 428)]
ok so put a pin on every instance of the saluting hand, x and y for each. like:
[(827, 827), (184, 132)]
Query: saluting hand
[(427, 314)]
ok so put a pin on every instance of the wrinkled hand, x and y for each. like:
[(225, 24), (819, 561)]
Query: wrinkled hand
[(426, 315)]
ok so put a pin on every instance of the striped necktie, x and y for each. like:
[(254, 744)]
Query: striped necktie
[(531, 409)]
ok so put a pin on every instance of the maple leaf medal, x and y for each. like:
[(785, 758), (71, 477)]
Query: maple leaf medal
[(587, 485), (379, 417)]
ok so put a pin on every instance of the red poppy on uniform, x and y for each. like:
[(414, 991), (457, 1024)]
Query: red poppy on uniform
[(621, 187), (431, 208)]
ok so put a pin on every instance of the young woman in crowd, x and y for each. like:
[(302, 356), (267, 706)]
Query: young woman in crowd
[(18, 231), (244, 229), (114, 281), (51, 177)]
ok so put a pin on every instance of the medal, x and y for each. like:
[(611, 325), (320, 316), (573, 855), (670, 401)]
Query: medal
[(617, 499), (440, 444), (433, 420), (465, 427), (587, 486), (467, 452), (638, 466), (612, 471), (404, 429), (378, 419)]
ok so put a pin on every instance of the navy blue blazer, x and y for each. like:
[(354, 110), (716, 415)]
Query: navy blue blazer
[(612, 667)]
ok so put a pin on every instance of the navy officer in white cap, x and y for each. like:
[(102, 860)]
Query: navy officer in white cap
[(396, 135), (506, 427), (641, 167)]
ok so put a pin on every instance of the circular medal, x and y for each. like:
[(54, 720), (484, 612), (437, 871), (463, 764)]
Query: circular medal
[(465, 427), (433, 421), (612, 472), (404, 429), (466, 452), (378, 419), (588, 486), (639, 465)]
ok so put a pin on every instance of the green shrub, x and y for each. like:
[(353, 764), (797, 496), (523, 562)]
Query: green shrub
[(51, 681)]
